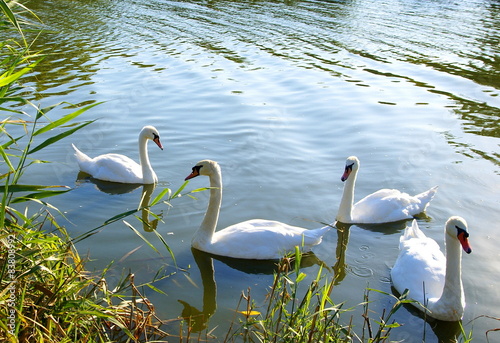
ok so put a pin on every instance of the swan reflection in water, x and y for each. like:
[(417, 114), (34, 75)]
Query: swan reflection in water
[(198, 319), (148, 225), (115, 188), (107, 186), (340, 268)]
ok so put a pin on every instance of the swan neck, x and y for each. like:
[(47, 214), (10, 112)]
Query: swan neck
[(147, 170), (453, 288), (344, 214), (209, 223)]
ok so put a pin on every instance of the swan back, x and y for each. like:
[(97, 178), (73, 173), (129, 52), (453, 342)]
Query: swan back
[(420, 259), (434, 280), (263, 239)]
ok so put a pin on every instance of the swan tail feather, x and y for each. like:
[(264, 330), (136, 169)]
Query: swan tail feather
[(316, 236), (426, 197), (412, 231), (80, 155)]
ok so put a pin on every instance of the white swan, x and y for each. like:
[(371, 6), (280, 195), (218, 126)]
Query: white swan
[(120, 168), (421, 265), (383, 206), (253, 239)]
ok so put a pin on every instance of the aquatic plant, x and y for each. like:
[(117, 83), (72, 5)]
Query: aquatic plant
[(311, 317)]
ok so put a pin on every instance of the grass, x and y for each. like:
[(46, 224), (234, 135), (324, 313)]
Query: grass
[(46, 294), (56, 299), (311, 317)]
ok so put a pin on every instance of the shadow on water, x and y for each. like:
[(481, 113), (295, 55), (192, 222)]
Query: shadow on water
[(385, 228)]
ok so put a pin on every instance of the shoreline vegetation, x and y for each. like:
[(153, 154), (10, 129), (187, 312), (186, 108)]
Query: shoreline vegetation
[(46, 293)]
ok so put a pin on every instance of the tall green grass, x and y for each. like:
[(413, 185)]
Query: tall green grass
[(46, 294), (305, 313)]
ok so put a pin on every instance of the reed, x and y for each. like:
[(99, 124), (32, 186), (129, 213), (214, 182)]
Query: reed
[(46, 294), (310, 317)]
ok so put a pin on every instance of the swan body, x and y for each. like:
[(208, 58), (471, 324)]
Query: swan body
[(383, 206), (433, 279), (120, 168), (258, 239)]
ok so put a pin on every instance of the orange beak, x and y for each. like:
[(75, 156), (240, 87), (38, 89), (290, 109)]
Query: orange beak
[(462, 237), (157, 141), (346, 174), (194, 173)]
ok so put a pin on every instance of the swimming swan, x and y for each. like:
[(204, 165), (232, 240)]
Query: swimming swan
[(253, 239), (421, 265), (383, 206), (120, 168)]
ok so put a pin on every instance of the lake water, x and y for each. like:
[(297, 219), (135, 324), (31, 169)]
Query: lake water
[(280, 93)]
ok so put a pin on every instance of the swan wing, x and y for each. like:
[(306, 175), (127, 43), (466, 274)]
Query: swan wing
[(263, 239), (388, 205), (420, 266), (114, 168)]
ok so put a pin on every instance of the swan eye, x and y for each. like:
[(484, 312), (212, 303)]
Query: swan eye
[(155, 136), (349, 167), (460, 230)]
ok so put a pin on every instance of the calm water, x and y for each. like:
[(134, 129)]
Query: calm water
[(280, 93)]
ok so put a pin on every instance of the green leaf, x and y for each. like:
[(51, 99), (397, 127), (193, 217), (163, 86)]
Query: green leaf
[(202, 189), (142, 237), (12, 141), (160, 196), (8, 13), (119, 216), (160, 237), (180, 189), (300, 277), (26, 188), (39, 195), (43, 111), (62, 120), (58, 137), (5, 80), (155, 289), (6, 159), (393, 325)]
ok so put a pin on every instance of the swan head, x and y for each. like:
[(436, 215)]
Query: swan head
[(457, 227), (204, 167), (351, 165), (150, 132)]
